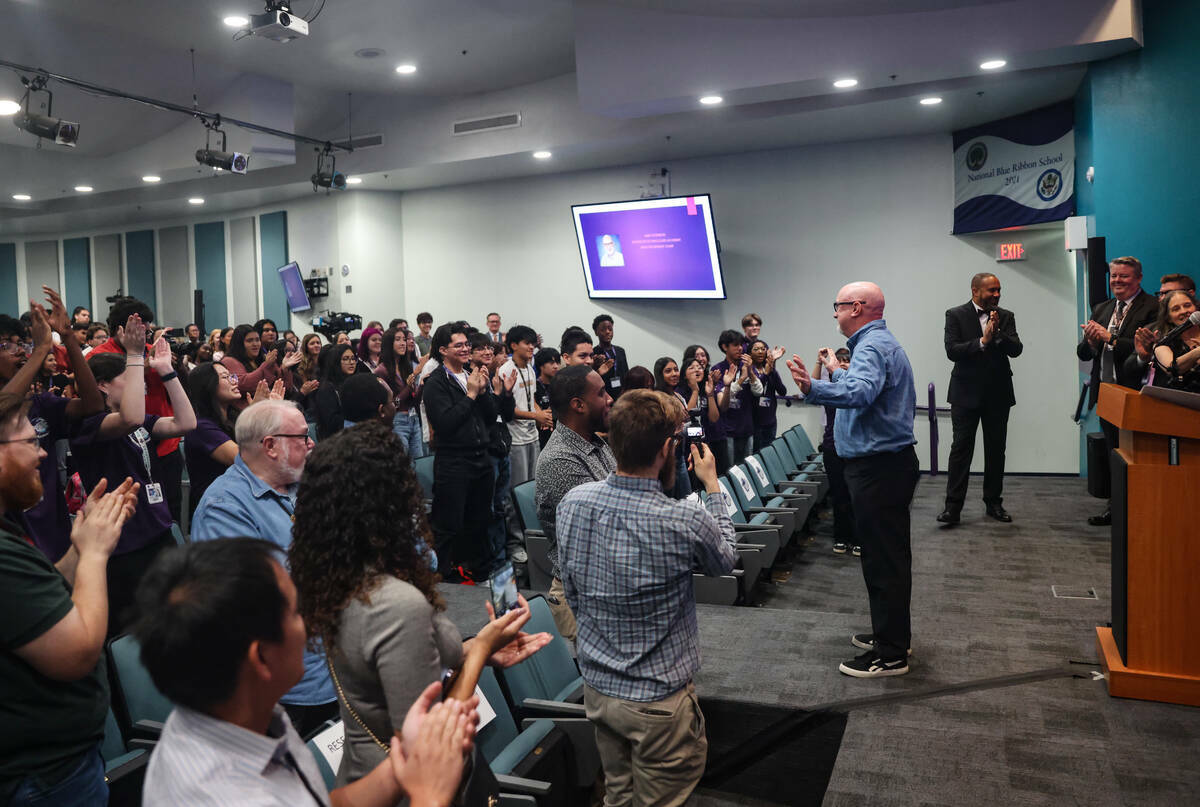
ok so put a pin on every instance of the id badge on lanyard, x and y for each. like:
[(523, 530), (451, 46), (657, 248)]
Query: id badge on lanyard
[(154, 492)]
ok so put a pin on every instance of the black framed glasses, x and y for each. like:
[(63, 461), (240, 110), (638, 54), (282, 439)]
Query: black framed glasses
[(298, 436), (836, 303), (32, 441)]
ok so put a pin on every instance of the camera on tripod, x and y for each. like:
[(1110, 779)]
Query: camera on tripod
[(329, 323)]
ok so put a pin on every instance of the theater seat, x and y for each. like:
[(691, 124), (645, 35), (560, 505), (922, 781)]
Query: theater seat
[(124, 766), (141, 709), (802, 449), (549, 676), (537, 545), (505, 747), (802, 483), (752, 504), (761, 529), (756, 470)]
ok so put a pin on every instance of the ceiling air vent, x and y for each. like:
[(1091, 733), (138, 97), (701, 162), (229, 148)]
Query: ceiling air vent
[(361, 142), (510, 120)]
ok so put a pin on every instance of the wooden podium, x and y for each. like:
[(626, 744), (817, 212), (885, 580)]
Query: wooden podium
[(1152, 651)]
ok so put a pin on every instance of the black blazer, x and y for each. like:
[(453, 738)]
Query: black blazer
[(980, 373), (1142, 312), (461, 426)]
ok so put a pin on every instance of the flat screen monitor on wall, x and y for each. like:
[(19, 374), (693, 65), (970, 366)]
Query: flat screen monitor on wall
[(650, 249), (293, 286)]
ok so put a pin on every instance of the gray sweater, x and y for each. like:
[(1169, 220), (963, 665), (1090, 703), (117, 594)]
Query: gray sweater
[(388, 651)]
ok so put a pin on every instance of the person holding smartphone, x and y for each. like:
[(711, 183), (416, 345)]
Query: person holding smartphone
[(362, 562)]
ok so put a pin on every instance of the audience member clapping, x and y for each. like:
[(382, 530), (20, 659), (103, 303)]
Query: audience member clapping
[(362, 560), (246, 359), (222, 637)]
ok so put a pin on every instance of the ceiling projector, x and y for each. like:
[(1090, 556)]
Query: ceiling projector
[(279, 25)]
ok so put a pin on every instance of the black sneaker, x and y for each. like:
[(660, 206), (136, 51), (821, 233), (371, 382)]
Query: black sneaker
[(856, 551), (870, 665), (866, 641), (840, 548)]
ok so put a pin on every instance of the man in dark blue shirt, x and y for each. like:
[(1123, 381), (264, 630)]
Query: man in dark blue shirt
[(875, 437)]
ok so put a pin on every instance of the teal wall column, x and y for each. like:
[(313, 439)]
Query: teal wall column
[(210, 272), (272, 228), (139, 267), (8, 280), (77, 274)]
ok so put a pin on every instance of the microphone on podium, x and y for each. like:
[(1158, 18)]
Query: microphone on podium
[(1191, 321)]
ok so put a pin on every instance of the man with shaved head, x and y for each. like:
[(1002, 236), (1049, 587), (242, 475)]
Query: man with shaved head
[(874, 436)]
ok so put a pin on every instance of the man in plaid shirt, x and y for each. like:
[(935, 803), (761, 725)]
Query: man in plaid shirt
[(627, 553)]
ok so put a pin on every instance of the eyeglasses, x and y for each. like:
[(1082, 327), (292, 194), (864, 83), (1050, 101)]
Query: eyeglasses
[(836, 303), (31, 441), (12, 347), (233, 379), (303, 435)]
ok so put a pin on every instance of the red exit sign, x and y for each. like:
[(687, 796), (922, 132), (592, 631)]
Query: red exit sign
[(1010, 252)]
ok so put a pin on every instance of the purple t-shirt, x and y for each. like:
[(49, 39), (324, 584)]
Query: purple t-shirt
[(48, 521), (765, 405), (114, 459), (198, 447), (737, 420)]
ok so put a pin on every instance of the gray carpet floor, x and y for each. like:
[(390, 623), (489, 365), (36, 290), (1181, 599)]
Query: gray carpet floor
[(982, 608)]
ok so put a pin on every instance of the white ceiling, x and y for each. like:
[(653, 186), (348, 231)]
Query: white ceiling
[(521, 56)]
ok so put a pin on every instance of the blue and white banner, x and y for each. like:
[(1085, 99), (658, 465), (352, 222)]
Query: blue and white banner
[(1015, 171)]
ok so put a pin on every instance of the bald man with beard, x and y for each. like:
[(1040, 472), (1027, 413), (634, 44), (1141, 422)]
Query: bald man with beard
[(874, 435)]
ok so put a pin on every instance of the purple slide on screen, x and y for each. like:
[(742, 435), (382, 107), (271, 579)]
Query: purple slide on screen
[(663, 248)]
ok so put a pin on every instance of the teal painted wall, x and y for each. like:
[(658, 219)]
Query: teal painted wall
[(139, 266), (210, 270), (77, 273), (272, 229), (1136, 116), (8, 280)]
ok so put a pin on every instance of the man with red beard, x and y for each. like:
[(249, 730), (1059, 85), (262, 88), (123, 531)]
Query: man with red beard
[(51, 679)]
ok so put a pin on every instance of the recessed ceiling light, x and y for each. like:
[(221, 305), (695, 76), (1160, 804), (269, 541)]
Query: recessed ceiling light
[(195, 200), (406, 69), (711, 100), (845, 83), (993, 64), (931, 100), (22, 197), (83, 188), (542, 155), (9, 107), (353, 180), (235, 21), (151, 178)]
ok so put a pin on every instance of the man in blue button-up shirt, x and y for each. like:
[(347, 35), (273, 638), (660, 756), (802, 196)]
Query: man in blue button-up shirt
[(874, 434), (255, 498)]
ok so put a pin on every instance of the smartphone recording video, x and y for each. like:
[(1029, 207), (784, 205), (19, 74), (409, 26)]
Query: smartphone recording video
[(504, 590)]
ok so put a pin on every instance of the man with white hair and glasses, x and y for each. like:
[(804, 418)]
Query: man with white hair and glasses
[(255, 498)]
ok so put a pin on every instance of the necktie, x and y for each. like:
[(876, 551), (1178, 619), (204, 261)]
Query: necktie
[(1121, 305)]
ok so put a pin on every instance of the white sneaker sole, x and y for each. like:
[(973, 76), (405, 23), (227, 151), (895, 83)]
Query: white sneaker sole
[(872, 673)]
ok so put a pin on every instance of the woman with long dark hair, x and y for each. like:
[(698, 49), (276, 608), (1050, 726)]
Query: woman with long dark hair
[(209, 449), (246, 360), (666, 379), (762, 365), (396, 369), (709, 412), (362, 563), (1177, 365), (340, 364)]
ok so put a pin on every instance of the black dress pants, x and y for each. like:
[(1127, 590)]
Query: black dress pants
[(168, 471), (123, 573), (966, 423), (843, 511), (462, 511), (881, 491)]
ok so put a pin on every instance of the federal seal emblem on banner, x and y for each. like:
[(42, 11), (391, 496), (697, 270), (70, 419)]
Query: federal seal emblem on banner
[(976, 156), (1049, 184)]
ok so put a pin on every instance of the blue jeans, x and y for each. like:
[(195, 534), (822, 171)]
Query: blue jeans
[(83, 787), (683, 485), (407, 426)]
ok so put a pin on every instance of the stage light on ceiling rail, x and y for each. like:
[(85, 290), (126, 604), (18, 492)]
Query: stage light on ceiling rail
[(233, 161), (62, 132)]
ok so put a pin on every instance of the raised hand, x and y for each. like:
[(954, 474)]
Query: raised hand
[(97, 528), (40, 328), (989, 328), (261, 392), (829, 359), (730, 374), (60, 320), (800, 374), (290, 360), (476, 381), (278, 390), (308, 386), (509, 645), (775, 354), (160, 358), (510, 381), (1143, 342), (415, 717), (133, 336), (430, 768), (713, 378)]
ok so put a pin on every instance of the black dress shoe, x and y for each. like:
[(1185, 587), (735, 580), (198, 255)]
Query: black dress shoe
[(948, 516), (1102, 520), (999, 513)]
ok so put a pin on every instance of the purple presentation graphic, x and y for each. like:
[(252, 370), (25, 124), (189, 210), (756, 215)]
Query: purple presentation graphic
[(293, 286), (652, 248)]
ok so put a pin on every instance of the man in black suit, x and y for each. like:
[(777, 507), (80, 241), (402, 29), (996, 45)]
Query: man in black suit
[(1108, 341), (980, 339), (608, 355)]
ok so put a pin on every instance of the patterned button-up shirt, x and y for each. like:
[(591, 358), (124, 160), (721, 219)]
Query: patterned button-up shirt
[(568, 460), (627, 553)]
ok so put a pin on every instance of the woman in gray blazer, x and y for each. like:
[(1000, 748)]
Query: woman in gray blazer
[(363, 565)]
